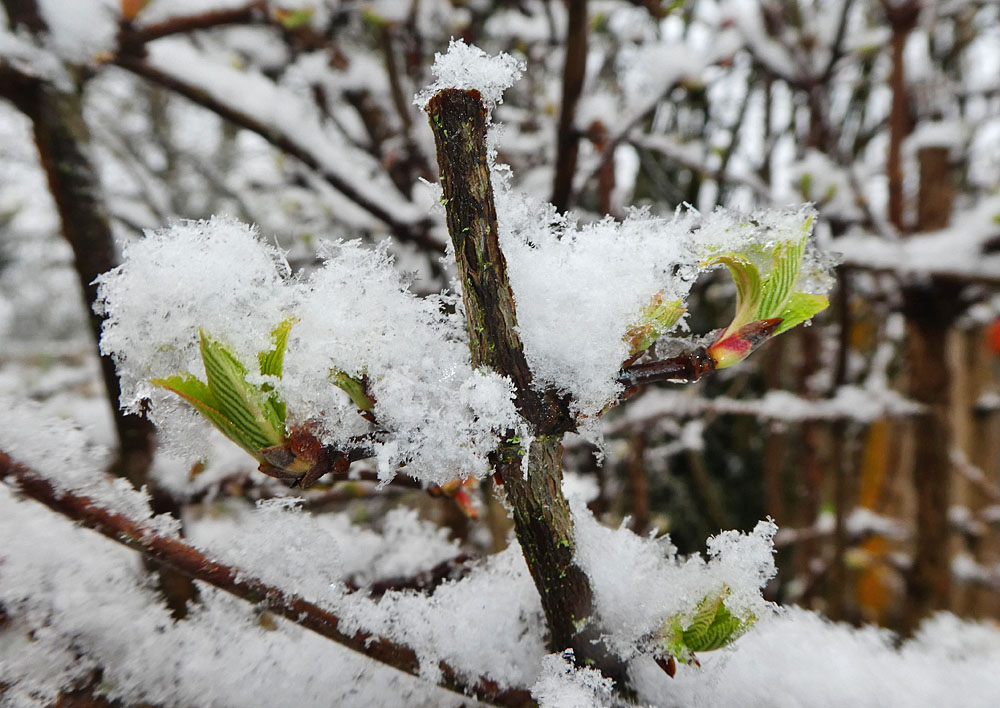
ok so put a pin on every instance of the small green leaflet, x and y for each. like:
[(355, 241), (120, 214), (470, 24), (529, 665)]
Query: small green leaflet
[(800, 307), (354, 388), (252, 416), (712, 627), (655, 320)]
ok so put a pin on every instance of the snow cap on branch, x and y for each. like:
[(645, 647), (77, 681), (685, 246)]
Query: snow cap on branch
[(468, 67)]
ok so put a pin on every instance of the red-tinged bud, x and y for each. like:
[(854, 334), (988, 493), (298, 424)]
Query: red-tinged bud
[(669, 665), (737, 346)]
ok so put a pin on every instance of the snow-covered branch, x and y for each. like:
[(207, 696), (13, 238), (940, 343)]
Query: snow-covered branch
[(196, 565)]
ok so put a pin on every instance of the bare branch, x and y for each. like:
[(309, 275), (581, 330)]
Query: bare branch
[(412, 232), (574, 72), (254, 12)]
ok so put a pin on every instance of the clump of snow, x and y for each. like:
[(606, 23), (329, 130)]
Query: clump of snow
[(797, 658), (573, 326), (79, 30), (355, 315), (468, 67), (488, 624), (662, 585), (215, 275), (66, 457), (436, 415), (562, 684), (280, 543), (77, 601)]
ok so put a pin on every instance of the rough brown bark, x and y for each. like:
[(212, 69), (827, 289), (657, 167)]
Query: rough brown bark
[(541, 513)]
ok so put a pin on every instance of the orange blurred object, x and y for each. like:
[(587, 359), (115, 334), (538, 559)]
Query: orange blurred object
[(993, 337), (131, 8)]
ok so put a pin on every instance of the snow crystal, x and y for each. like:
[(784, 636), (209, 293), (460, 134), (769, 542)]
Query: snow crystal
[(564, 685), (660, 584), (468, 67)]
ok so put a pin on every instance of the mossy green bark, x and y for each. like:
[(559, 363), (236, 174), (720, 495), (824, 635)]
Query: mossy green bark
[(541, 513)]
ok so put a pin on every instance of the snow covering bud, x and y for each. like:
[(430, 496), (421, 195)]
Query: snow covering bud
[(773, 290)]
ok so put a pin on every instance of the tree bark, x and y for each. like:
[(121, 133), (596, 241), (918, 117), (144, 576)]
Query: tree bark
[(541, 513), (930, 311)]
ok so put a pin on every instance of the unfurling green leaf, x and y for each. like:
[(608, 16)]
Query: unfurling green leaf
[(272, 361), (200, 396), (800, 307), (355, 388), (768, 304), (655, 320), (251, 416), (241, 402), (712, 627)]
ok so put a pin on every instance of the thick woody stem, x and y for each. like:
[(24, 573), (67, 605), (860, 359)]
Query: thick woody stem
[(541, 513), (458, 120), (196, 565)]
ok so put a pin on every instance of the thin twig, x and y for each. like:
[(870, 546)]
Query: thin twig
[(252, 13)]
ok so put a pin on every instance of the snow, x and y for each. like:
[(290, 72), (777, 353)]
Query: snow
[(573, 327), (80, 30), (863, 404), (64, 456), (290, 116), (562, 684), (468, 67), (356, 316), (662, 585), (287, 547), (957, 250), (797, 659), (156, 303), (437, 416), (65, 587), (486, 624)]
